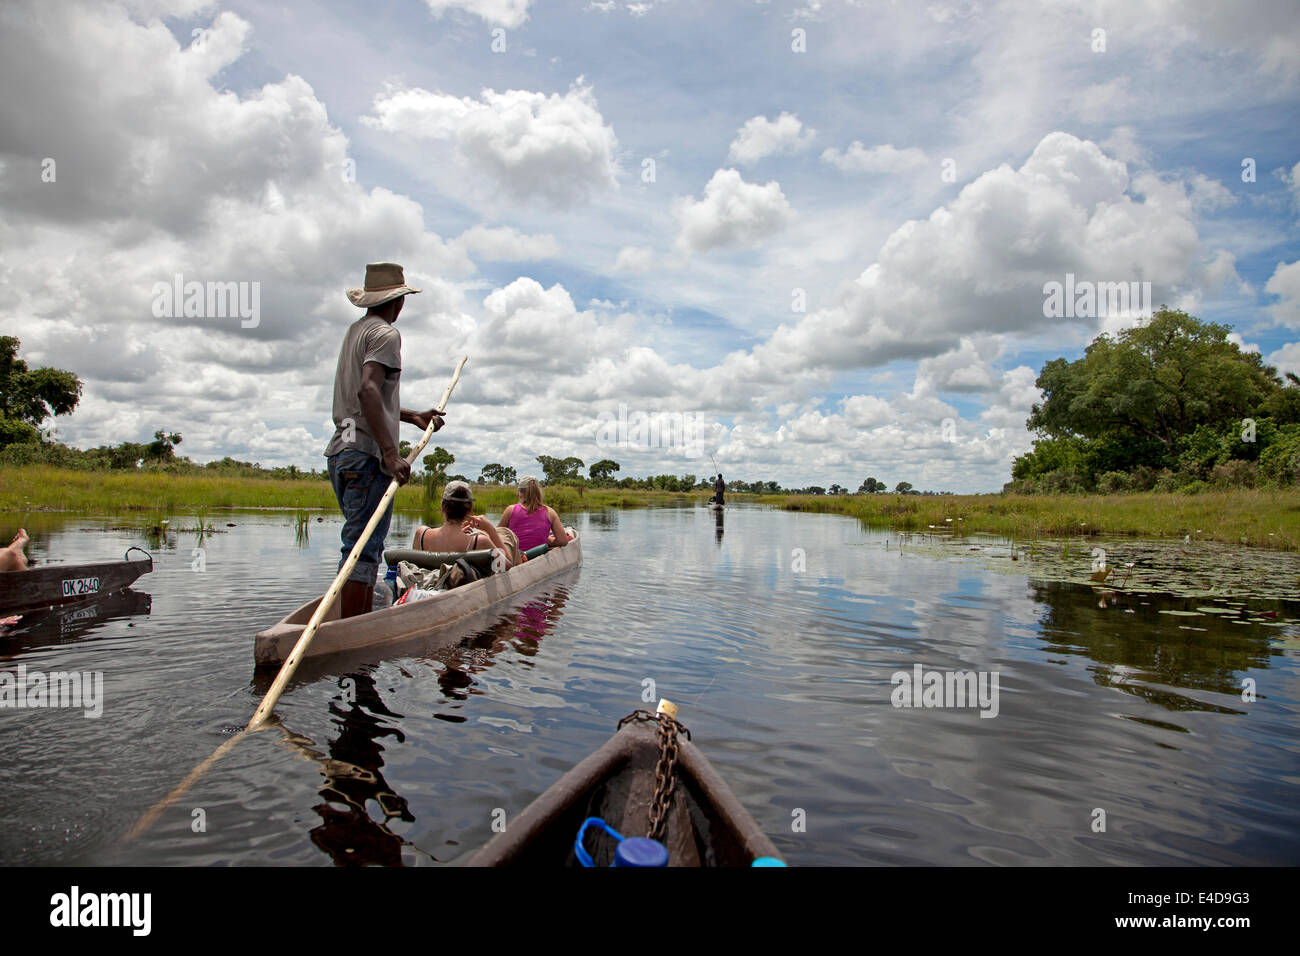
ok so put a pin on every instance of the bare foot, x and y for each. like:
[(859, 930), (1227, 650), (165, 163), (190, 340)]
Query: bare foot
[(12, 557)]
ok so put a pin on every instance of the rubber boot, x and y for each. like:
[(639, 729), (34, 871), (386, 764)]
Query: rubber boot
[(357, 597)]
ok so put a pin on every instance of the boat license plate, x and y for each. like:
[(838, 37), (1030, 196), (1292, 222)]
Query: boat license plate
[(76, 587)]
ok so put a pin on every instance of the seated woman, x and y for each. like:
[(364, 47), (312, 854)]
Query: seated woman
[(12, 557), (532, 522), (463, 531)]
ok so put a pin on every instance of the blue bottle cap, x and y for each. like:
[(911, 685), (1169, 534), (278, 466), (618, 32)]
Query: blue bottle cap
[(768, 861), (640, 851)]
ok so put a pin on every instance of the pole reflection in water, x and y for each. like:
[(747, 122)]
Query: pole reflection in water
[(351, 831)]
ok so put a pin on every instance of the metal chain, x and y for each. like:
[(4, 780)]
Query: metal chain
[(665, 777)]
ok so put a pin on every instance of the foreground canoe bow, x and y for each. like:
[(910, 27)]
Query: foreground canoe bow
[(706, 825), (406, 621), (49, 584)]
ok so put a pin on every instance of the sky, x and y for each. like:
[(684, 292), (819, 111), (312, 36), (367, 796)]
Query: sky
[(811, 240)]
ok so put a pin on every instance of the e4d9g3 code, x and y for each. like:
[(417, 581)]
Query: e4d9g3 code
[(1222, 897)]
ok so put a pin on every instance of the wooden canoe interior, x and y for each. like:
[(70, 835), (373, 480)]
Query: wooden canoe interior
[(302, 615), (707, 826)]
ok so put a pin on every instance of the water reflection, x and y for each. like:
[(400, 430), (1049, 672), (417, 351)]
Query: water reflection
[(717, 522), (603, 520), (520, 630), (360, 806), (1154, 647), (73, 621), (354, 780), (1124, 701)]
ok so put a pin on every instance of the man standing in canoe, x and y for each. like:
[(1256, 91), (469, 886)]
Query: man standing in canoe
[(363, 455), (719, 487)]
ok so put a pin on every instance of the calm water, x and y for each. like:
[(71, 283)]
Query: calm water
[(780, 660)]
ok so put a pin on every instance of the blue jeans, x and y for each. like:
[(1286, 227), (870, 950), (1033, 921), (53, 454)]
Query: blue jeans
[(359, 484)]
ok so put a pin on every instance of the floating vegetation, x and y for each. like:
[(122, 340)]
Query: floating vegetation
[(301, 522), (1209, 571)]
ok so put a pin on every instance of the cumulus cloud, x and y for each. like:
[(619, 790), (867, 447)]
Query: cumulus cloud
[(1236, 339), (1286, 359), (964, 369), (531, 327), (732, 212), (878, 159), (1285, 284), (979, 263), (761, 137), (251, 185), (506, 13), (503, 243), (556, 148), (122, 213), (866, 411)]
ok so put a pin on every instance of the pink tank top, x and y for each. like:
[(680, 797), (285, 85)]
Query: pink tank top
[(530, 529)]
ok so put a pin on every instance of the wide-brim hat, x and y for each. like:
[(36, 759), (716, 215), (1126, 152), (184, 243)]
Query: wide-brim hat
[(384, 282)]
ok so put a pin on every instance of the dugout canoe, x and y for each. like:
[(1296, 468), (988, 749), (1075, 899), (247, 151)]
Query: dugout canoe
[(707, 825), (406, 621), (47, 585)]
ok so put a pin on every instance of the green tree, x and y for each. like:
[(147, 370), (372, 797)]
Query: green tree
[(870, 486), (558, 471), (903, 487), (33, 395), (436, 465), (1148, 387), (162, 448), (497, 474), (14, 432), (602, 472)]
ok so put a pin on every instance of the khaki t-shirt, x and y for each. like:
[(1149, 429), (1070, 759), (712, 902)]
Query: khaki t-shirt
[(369, 339)]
